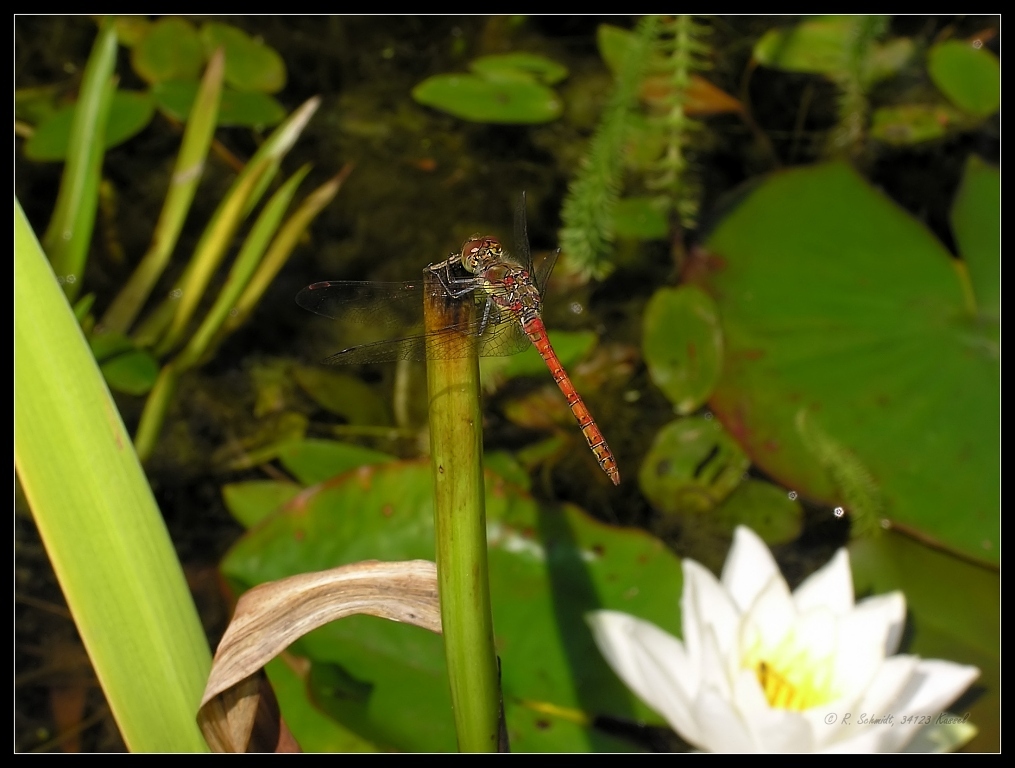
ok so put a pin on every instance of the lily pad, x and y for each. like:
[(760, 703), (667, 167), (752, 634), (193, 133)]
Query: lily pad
[(252, 501), (548, 567), (836, 302), (766, 509), (481, 100), (250, 65), (512, 66), (171, 50), (132, 373), (692, 466), (970, 77), (313, 730), (129, 114), (682, 342), (816, 46), (314, 461), (978, 234), (238, 109), (125, 367), (909, 124), (827, 45)]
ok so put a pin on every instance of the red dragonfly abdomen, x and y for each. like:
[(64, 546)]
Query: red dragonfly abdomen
[(537, 333)]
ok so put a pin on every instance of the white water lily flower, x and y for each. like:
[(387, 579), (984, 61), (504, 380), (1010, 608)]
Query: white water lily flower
[(761, 669)]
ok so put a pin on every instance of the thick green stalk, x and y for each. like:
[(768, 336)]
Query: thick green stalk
[(98, 519), (456, 455)]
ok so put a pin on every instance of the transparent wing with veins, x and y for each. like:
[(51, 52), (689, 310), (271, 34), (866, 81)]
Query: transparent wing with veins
[(398, 307)]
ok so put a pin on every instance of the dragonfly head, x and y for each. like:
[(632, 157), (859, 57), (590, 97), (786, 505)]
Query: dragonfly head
[(480, 252)]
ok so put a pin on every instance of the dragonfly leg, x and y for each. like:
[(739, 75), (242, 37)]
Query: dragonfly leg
[(456, 287), (486, 317)]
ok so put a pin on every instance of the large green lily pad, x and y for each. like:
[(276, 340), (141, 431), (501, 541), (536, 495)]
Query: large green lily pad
[(549, 566), (836, 302)]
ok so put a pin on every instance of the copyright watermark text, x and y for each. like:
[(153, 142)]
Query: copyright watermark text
[(892, 719)]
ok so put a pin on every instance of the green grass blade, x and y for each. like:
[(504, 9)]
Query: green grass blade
[(99, 522), (69, 233), (456, 456), (282, 247), (243, 195), (183, 184)]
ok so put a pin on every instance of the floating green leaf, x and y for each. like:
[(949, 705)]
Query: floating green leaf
[(170, 51), (976, 222), (682, 342), (250, 65), (513, 66), (132, 373), (766, 509), (314, 461), (129, 114), (816, 46), (692, 466), (252, 501), (252, 110), (613, 43), (970, 77), (835, 301), (480, 100), (548, 567), (312, 728), (908, 124)]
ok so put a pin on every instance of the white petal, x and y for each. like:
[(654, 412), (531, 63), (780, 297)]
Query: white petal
[(934, 685), (883, 692), (715, 666), (749, 567), (873, 700), (863, 635), (770, 729), (830, 587), (770, 618), (703, 604), (722, 729), (651, 662), (889, 610)]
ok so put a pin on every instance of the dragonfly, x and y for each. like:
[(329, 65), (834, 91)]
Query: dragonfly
[(507, 291)]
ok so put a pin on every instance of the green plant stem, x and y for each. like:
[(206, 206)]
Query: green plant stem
[(456, 455), (155, 409), (238, 202), (98, 519), (69, 233), (183, 184), (250, 256)]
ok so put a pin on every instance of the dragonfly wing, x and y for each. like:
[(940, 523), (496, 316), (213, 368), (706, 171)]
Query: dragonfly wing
[(521, 234), (385, 305), (508, 338), (407, 348), (447, 344), (542, 269)]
